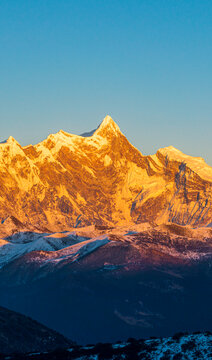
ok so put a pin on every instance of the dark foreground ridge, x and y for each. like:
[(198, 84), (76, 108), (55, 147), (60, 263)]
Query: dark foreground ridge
[(21, 334), (180, 346)]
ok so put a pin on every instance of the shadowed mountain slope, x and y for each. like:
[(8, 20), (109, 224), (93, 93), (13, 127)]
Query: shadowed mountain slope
[(19, 333), (102, 285)]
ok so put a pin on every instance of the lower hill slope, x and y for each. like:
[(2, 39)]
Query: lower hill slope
[(19, 333), (98, 284)]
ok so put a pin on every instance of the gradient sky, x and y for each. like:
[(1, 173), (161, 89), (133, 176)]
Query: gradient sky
[(65, 64)]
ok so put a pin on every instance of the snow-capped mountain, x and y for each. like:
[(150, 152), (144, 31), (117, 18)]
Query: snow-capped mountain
[(99, 178), (96, 236)]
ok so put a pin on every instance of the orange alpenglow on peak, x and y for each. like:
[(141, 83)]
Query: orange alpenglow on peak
[(102, 178), (107, 126), (10, 140), (108, 122)]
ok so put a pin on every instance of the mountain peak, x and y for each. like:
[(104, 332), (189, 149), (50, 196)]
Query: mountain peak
[(196, 164), (59, 136), (107, 126), (108, 122), (10, 141), (176, 154)]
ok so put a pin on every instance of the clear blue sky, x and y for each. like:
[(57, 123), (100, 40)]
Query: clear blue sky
[(65, 64)]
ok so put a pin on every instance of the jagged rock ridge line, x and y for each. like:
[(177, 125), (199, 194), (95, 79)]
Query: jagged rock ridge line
[(100, 178)]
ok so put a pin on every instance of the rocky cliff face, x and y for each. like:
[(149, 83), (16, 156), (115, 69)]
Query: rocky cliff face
[(99, 178)]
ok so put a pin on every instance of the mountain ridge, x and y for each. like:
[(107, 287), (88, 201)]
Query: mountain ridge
[(109, 123), (103, 179)]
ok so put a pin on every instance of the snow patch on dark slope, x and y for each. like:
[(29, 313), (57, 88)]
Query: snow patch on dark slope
[(53, 245), (179, 347)]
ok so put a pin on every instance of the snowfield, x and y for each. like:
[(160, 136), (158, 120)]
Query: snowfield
[(53, 247), (192, 244)]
